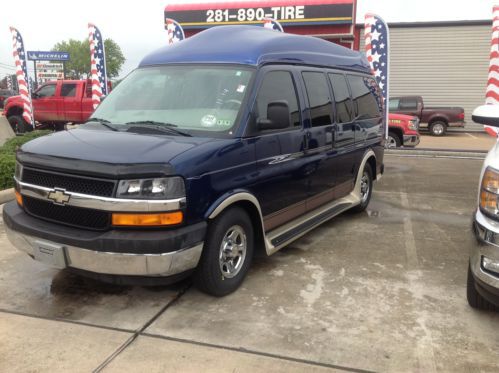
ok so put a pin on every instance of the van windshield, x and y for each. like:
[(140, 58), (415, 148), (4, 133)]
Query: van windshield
[(192, 99)]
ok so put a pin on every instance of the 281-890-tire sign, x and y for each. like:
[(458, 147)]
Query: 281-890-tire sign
[(288, 13)]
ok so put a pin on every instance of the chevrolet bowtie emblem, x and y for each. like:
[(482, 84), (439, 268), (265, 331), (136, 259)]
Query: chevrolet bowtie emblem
[(59, 197)]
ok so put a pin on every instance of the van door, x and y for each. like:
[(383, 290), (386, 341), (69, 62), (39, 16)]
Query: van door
[(320, 153), (282, 171), (344, 141)]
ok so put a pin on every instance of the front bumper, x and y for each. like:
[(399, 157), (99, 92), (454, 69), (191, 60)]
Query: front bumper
[(486, 232), (411, 140), (155, 253)]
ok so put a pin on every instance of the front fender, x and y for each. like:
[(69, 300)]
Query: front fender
[(229, 198)]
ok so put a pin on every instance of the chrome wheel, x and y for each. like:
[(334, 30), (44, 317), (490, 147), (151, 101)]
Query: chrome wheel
[(391, 142), (232, 251), (437, 129), (365, 187)]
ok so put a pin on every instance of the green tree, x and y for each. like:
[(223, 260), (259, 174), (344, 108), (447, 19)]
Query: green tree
[(79, 64)]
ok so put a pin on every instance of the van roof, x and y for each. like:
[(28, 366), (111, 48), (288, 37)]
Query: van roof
[(252, 45)]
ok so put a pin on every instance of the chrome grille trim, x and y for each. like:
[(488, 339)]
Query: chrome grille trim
[(103, 203)]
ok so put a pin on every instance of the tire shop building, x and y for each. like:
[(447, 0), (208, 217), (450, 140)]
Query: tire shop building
[(444, 62)]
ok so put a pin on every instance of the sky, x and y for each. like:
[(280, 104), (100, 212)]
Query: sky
[(138, 29)]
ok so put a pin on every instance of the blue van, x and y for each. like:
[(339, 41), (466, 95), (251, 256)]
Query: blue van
[(235, 140)]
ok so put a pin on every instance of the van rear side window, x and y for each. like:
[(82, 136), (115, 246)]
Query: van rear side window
[(363, 89), (319, 98), (344, 107)]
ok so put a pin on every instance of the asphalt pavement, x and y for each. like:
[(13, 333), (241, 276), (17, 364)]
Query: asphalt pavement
[(379, 291)]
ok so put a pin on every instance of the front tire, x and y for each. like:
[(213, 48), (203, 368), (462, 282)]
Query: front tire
[(393, 140), (438, 128), (366, 189), (227, 253), (475, 300), (18, 124)]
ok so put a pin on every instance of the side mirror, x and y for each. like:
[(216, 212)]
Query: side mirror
[(278, 116), (486, 114), (35, 95)]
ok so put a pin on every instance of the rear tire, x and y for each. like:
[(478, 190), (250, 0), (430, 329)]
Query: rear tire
[(393, 140), (366, 186), (438, 128), (227, 253), (18, 124), (475, 300)]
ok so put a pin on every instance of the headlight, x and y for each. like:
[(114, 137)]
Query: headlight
[(160, 188), (18, 171), (489, 191), (414, 124)]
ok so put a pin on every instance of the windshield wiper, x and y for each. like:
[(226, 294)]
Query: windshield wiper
[(103, 122), (154, 125)]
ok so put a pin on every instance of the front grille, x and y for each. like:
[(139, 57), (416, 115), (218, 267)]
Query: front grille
[(68, 215), (77, 184)]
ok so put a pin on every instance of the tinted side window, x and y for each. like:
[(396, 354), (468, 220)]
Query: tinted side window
[(278, 86), (47, 91), (393, 104), (344, 107), (408, 104), (319, 98), (364, 90), (68, 90)]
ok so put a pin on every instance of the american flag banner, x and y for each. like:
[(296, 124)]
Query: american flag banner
[(22, 75), (272, 24), (492, 94), (377, 51), (175, 31), (97, 64)]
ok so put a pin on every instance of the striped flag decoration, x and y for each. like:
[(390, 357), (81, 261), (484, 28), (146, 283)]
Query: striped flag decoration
[(492, 94), (175, 31), (97, 64), (22, 75), (377, 51), (272, 24)]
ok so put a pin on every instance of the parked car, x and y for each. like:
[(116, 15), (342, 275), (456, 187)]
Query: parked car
[(483, 270), (436, 119), (54, 104), (402, 131), (5, 94), (225, 151)]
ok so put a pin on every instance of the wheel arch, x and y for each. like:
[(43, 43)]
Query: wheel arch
[(438, 118), (14, 110), (248, 202)]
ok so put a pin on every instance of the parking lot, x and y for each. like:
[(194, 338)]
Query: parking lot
[(380, 291)]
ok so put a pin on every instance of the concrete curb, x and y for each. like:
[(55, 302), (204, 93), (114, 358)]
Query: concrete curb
[(7, 195), (437, 153)]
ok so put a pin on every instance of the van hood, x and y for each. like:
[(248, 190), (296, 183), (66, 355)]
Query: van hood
[(106, 153)]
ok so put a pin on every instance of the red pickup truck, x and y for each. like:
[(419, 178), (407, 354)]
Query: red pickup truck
[(54, 104), (402, 130)]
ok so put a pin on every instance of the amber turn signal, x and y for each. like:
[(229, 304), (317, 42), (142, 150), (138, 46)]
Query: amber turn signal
[(19, 198), (148, 220)]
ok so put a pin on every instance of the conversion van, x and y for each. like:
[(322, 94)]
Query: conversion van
[(235, 140)]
